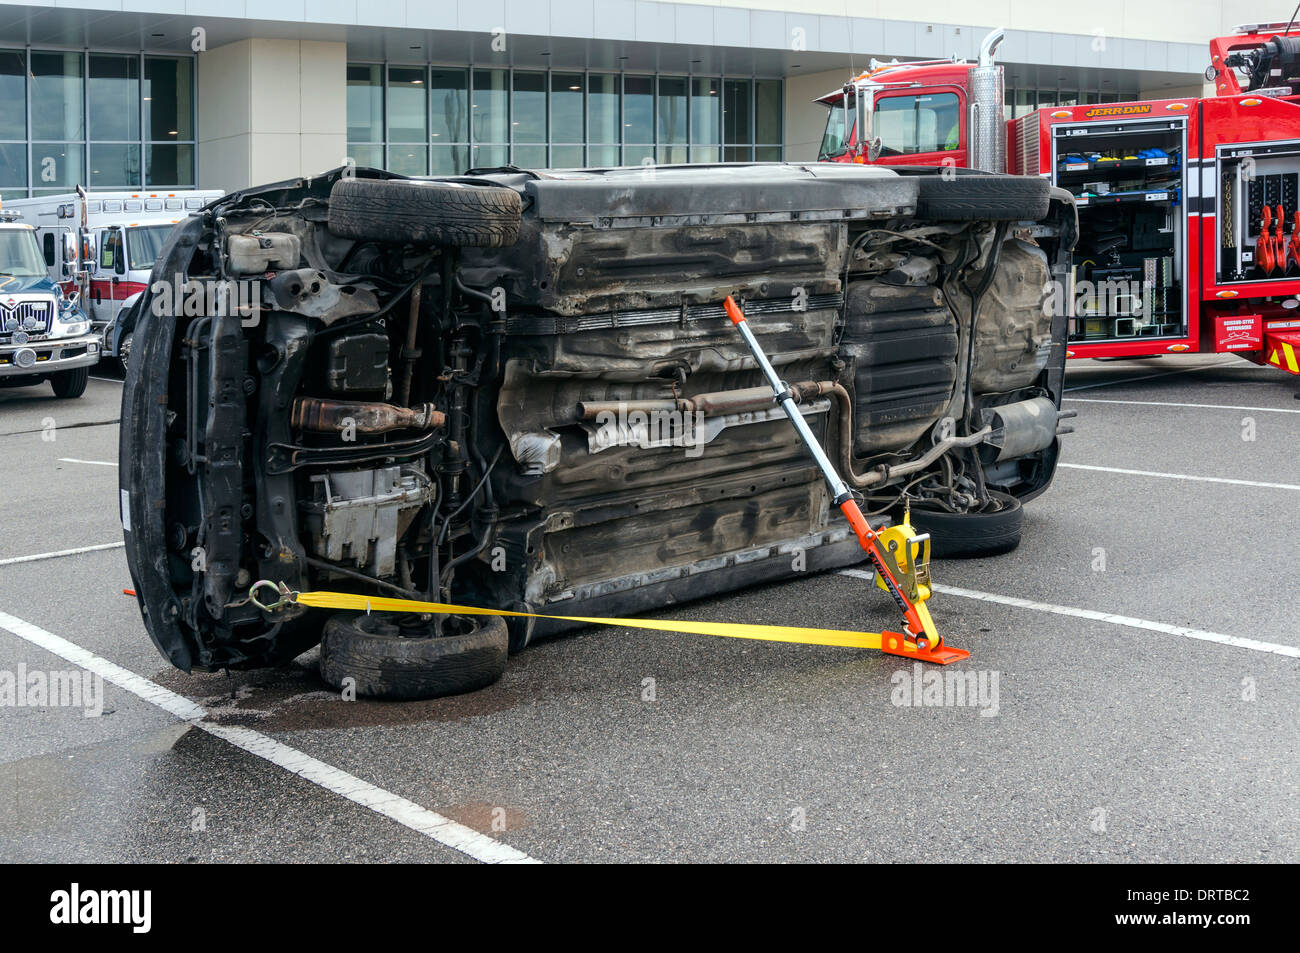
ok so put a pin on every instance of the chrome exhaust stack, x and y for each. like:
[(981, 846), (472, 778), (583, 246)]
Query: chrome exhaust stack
[(987, 128)]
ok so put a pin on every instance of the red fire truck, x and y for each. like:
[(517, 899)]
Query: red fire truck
[(1189, 216)]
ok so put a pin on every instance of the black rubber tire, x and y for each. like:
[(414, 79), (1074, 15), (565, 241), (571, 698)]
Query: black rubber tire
[(994, 198), (384, 663), (69, 384), (124, 350), (425, 213), (972, 535)]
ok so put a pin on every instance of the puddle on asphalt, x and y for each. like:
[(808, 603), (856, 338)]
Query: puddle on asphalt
[(294, 697), (486, 818)]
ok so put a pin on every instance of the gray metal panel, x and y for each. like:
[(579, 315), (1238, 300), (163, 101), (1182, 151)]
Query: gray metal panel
[(655, 22), (900, 39), (834, 33), (868, 36), (1094, 52), (1063, 49), (1157, 56), (264, 9), (481, 16), (419, 14), (1132, 54), (808, 39), (572, 17), (928, 41), (331, 11), (730, 26), (382, 12), (615, 19), (767, 29), (529, 17), (964, 41), (1016, 47), (694, 25)]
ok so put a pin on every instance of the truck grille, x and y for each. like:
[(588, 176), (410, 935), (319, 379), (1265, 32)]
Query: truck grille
[(34, 317)]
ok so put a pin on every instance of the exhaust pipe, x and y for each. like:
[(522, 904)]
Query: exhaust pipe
[(989, 46), (987, 129)]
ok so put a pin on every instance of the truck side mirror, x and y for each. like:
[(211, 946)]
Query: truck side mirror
[(874, 148), (69, 253)]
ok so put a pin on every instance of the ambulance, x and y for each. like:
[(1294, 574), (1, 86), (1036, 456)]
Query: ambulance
[(121, 234)]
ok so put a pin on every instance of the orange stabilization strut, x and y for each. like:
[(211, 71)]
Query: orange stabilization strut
[(1279, 242), (1293, 248), (1264, 244), (919, 639)]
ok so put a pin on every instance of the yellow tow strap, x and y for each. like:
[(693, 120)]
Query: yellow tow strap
[(735, 630)]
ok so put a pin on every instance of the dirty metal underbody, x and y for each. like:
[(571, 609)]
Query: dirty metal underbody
[(538, 448)]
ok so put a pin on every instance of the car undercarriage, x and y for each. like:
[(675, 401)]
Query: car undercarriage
[(519, 390)]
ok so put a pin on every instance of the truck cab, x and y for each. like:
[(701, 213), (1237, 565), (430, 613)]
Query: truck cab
[(1189, 216), (44, 333), (935, 112), (120, 235)]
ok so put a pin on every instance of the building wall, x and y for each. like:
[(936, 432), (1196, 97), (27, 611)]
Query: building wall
[(1189, 21), (271, 110), (805, 120)]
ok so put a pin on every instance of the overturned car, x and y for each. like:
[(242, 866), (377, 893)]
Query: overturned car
[(519, 390)]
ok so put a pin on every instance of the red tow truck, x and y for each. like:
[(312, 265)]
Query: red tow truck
[(1189, 211)]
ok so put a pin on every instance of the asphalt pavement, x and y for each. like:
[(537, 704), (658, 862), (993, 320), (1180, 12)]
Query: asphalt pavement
[(1134, 685)]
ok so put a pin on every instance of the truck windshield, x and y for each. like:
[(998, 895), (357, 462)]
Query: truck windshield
[(20, 256), (839, 126), (144, 243)]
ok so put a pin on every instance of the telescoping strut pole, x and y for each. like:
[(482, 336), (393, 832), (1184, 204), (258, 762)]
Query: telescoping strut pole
[(919, 638)]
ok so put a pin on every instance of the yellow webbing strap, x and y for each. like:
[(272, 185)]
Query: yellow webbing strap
[(733, 630)]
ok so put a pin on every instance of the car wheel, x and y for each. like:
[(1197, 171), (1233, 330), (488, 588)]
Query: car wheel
[(71, 383), (124, 350), (989, 532), (433, 213), (999, 198), (398, 656)]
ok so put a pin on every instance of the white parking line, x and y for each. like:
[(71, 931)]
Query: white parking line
[(1133, 380), (407, 813), (1181, 476), (1170, 403), (37, 557), (1290, 651), (93, 463)]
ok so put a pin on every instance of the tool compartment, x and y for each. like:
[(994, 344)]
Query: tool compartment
[(1129, 178)]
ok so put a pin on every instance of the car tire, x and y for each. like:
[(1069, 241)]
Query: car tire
[(997, 198), (425, 213), (972, 535), (124, 350), (69, 384), (395, 656)]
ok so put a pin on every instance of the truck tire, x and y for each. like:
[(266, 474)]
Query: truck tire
[(395, 656), (972, 535), (996, 198), (425, 213), (69, 384), (124, 350)]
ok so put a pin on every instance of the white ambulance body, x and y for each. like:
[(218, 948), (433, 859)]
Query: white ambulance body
[(126, 231)]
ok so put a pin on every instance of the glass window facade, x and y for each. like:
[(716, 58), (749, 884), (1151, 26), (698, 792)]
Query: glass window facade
[(1025, 94), (443, 120), (102, 120)]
